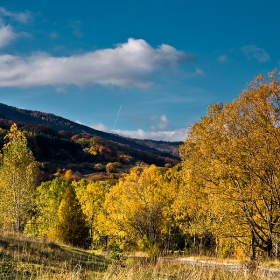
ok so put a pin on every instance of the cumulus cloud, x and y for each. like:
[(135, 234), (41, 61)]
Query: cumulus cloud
[(7, 35), (252, 51), (101, 127), (22, 17), (171, 136), (168, 135), (159, 122), (129, 64), (159, 130)]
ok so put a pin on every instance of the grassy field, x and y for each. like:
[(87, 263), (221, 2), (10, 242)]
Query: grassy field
[(23, 257)]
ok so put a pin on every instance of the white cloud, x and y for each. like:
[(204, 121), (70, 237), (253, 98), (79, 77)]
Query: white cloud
[(163, 118), (129, 64), (154, 122), (23, 17), (168, 135), (159, 122), (171, 136), (252, 51), (101, 127), (6, 35)]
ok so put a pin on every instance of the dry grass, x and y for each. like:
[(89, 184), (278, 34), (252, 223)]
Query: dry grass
[(270, 263), (164, 270), (23, 257)]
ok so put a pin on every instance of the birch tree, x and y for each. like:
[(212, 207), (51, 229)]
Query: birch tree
[(18, 179)]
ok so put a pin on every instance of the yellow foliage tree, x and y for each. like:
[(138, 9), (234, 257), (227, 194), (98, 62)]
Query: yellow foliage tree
[(91, 196), (18, 180), (137, 208), (70, 175), (233, 154)]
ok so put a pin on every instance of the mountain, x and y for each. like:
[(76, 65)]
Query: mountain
[(9, 114)]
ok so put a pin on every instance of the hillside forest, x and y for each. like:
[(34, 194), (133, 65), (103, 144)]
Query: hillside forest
[(222, 198)]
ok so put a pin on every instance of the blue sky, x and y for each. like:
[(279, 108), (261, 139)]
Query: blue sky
[(144, 69)]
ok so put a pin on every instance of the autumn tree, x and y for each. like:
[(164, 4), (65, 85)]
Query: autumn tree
[(91, 196), (138, 208), (18, 180), (233, 154), (191, 209), (70, 175), (113, 167), (99, 167), (71, 227)]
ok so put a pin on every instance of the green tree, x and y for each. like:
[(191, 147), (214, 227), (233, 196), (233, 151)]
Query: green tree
[(18, 180), (72, 227), (48, 198)]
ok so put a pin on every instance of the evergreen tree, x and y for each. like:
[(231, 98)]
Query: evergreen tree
[(71, 226)]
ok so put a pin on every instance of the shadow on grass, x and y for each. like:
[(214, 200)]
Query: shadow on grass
[(22, 257)]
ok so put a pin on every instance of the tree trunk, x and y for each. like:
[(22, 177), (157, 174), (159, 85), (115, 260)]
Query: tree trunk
[(269, 237), (217, 246), (253, 249)]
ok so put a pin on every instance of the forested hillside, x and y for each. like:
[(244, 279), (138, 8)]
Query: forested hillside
[(9, 114), (86, 154)]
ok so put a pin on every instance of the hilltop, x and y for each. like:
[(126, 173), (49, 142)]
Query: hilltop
[(22, 116)]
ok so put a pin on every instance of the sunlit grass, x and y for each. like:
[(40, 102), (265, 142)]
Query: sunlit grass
[(164, 270)]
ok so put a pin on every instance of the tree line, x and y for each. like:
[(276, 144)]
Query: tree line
[(223, 198)]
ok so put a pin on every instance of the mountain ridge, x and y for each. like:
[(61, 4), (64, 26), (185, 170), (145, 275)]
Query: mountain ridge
[(24, 116)]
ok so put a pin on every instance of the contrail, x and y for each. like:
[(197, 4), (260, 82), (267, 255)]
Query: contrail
[(117, 116)]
